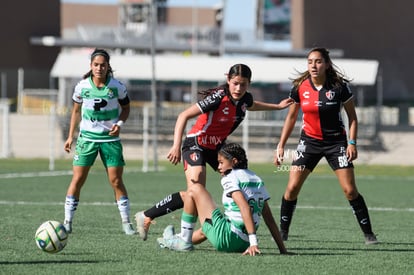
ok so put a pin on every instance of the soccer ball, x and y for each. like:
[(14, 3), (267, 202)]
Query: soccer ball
[(51, 236)]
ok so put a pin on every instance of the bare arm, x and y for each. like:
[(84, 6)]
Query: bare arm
[(74, 121), (116, 129), (247, 220), (174, 155), (286, 131), (351, 150), (263, 106), (274, 230), (125, 109)]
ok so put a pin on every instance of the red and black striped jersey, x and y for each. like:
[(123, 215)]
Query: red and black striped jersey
[(322, 109), (220, 117)]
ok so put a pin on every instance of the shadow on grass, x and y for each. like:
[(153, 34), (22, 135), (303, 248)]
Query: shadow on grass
[(380, 247), (295, 252), (50, 262)]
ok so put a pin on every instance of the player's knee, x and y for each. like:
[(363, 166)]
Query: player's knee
[(351, 194), (117, 183), (183, 194), (292, 192), (194, 190)]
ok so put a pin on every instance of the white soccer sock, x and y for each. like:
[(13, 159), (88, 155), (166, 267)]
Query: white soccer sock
[(71, 203), (123, 206), (187, 231)]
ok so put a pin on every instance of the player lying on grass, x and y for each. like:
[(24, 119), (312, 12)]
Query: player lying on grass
[(244, 199)]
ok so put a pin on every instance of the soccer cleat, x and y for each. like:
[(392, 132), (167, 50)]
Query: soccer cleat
[(370, 239), (128, 229), (173, 242), (169, 232), (284, 235), (68, 226), (143, 224)]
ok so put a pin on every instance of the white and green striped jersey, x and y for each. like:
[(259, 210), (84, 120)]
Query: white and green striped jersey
[(254, 192), (100, 108)]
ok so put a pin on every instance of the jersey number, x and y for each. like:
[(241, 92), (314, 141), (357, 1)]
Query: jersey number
[(342, 161), (256, 205)]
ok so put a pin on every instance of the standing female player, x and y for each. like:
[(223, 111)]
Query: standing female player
[(245, 201), (101, 104), (321, 92), (218, 115)]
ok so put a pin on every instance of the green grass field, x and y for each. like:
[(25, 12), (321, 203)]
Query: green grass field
[(324, 234)]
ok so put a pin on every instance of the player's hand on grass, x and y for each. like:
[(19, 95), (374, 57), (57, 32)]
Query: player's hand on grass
[(252, 251)]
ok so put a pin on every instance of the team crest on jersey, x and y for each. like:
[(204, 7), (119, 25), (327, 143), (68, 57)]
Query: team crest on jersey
[(330, 95), (244, 107), (194, 156), (110, 93)]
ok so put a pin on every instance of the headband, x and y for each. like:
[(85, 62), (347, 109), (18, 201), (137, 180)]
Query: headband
[(100, 52)]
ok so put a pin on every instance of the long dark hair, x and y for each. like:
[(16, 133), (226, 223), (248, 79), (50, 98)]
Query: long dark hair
[(241, 70), (234, 150), (105, 54), (334, 77)]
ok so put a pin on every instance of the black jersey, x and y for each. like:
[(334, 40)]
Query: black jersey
[(220, 117)]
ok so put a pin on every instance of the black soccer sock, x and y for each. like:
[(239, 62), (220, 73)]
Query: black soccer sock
[(361, 213), (167, 205), (286, 212)]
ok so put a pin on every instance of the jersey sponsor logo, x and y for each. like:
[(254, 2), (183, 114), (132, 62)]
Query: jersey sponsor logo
[(306, 94), (215, 140), (330, 95), (202, 104), (225, 110), (223, 119), (210, 99), (99, 103)]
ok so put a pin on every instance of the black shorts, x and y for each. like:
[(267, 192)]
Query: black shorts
[(196, 155), (310, 151)]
